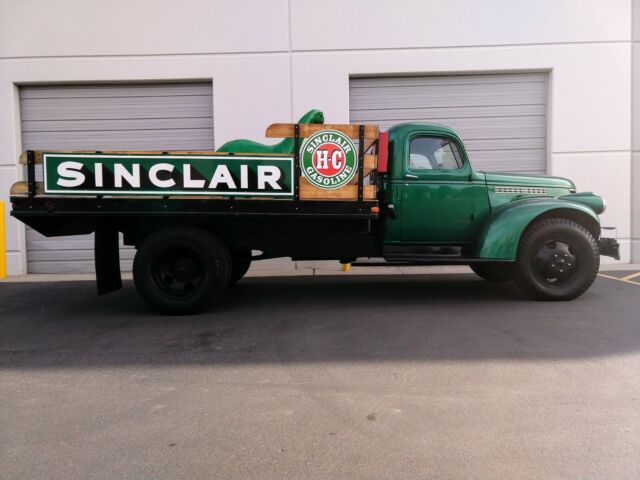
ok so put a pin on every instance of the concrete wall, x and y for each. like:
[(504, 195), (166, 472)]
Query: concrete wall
[(273, 60)]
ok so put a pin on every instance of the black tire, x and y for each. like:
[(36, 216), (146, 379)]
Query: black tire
[(241, 262), (558, 259), (494, 272), (181, 270)]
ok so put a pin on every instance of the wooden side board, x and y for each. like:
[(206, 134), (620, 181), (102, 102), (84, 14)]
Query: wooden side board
[(370, 164), (21, 189), (284, 130), (307, 190), (348, 192), (370, 160), (38, 153)]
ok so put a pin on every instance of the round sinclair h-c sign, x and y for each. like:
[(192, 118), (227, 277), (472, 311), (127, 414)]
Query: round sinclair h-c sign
[(328, 159)]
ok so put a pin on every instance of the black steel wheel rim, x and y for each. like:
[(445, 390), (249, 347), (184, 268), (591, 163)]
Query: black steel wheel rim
[(178, 271), (555, 262)]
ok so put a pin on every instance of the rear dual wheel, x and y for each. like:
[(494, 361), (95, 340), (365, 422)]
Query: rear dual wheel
[(180, 270)]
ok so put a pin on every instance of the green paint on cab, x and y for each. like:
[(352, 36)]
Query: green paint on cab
[(435, 206), (486, 213)]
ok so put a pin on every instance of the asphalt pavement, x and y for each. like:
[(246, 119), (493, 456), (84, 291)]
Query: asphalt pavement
[(322, 377)]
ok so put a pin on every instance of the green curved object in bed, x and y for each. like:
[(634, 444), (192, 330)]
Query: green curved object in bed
[(285, 146)]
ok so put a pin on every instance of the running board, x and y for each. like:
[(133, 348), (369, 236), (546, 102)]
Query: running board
[(423, 260)]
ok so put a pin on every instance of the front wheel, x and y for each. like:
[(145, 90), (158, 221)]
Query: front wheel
[(558, 259), (181, 270)]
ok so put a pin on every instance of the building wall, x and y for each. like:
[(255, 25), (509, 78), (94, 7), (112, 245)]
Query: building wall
[(273, 60)]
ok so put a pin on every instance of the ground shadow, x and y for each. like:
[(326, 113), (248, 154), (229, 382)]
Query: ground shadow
[(315, 319)]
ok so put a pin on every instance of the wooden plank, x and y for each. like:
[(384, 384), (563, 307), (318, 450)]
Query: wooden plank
[(370, 164), (38, 153), (285, 130), (348, 192), (21, 189), (368, 143)]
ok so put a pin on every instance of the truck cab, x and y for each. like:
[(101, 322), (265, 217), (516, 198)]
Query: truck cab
[(438, 198), (534, 229)]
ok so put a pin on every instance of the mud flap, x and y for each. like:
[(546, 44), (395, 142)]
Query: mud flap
[(107, 258)]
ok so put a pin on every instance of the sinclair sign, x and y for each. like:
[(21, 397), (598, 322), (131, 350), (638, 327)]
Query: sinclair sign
[(329, 159), (124, 174)]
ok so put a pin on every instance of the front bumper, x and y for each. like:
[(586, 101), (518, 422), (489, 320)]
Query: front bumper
[(609, 247)]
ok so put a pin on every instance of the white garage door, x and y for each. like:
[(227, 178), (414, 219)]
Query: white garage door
[(137, 116), (501, 117)]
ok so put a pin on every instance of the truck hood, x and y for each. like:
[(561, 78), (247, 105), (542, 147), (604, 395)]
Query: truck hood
[(504, 188), (521, 179)]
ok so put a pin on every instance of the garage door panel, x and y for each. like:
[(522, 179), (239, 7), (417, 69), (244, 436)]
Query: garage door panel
[(475, 79), (76, 266), (435, 99), (491, 145), (117, 124), (111, 108), (464, 90), (69, 255), (37, 241), (400, 114), (501, 117), (454, 96), (157, 116), (136, 90), (521, 161), (194, 139), (76, 242), (498, 128)]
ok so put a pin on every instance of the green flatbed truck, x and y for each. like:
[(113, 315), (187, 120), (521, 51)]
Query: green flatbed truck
[(326, 192)]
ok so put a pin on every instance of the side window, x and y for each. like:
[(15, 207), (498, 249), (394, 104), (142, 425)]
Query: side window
[(433, 153)]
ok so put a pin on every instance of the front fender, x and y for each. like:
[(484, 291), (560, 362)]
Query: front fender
[(500, 235)]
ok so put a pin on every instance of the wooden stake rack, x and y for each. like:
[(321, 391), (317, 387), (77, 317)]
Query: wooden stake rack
[(367, 136)]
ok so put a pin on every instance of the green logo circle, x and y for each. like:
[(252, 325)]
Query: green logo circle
[(328, 159)]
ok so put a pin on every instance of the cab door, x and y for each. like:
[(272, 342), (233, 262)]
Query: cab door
[(443, 200)]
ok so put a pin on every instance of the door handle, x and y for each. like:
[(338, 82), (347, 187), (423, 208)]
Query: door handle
[(391, 209), (409, 175)]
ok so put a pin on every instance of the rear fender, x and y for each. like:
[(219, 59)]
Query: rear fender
[(500, 235)]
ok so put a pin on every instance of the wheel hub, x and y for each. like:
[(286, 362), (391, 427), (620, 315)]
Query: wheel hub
[(183, 269), (178, 271), (555, 262)]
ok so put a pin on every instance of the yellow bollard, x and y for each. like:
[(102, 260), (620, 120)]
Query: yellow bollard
[(346, 267), (3, 243)]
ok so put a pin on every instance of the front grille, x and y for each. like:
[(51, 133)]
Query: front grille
[(522, 190)]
